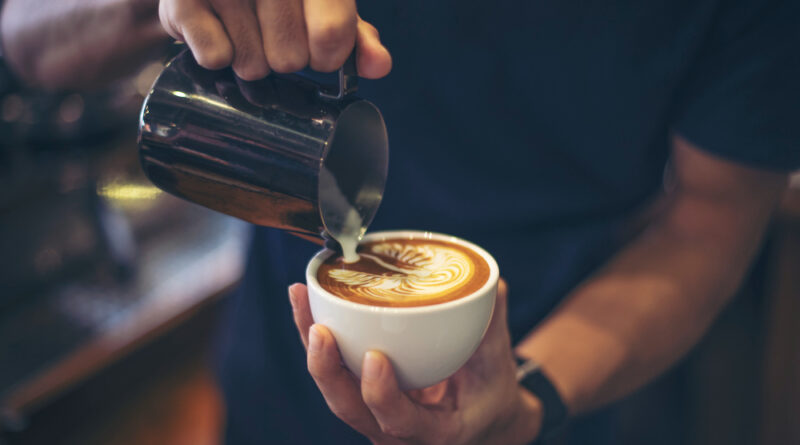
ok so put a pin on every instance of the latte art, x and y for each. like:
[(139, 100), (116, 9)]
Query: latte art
[(406, 273), (424, 272)]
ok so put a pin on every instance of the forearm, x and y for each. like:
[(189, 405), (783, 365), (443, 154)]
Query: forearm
[(78, 43), (652, 302)]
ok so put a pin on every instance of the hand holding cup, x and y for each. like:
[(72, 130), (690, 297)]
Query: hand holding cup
[(363, 357)]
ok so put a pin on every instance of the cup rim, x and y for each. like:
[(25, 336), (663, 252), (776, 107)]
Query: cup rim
[(491, 281)]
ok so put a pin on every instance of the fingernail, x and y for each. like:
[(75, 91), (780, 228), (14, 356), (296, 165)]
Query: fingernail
[(291, 295), (372, 366), (314, 340)]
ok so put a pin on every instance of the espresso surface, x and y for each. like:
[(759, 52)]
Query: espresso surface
[(405, 272)]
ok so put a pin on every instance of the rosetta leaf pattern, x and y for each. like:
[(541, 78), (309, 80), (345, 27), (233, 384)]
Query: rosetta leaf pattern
[(414, 271)]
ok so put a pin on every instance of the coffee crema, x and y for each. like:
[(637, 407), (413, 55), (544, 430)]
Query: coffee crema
[(405, 272)]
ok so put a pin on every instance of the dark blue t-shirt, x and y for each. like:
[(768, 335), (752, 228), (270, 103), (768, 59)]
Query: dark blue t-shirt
[(535, 129)]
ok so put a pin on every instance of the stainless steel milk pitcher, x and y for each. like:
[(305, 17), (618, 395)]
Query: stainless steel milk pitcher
[(264, 151)]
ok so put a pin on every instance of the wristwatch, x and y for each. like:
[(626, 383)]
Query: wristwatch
[(554, 412)]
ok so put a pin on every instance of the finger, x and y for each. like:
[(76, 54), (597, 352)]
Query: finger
[(256, 92), (372, 58), (499, 323), (496, 344), (193, 22), (396, 414), (298, 296), (337, 385), (331, 28), (283, 31), (242, 27), (431, 395), (167, 16)]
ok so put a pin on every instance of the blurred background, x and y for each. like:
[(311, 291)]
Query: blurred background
[(110, 291), (110, 288)]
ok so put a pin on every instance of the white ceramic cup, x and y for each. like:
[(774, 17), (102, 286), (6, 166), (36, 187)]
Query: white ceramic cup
[(425, 344)]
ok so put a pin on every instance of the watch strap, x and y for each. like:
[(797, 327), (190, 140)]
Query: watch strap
[(554, 412)]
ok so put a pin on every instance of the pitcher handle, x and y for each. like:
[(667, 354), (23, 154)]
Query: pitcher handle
[(348, 80)]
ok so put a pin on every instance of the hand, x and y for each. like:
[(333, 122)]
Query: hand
[(480, 404), (256, 36)]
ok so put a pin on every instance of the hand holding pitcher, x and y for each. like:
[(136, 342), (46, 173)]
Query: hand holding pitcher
[(255, 37)]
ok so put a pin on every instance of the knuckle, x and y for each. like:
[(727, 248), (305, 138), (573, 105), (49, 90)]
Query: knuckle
[(441, 438), (331, 34), (378, 397), (165, 17), (375, 399), (372, 29), (209, 52), (338, 411), (243, 58), (212, 58), (345, 415), (180, 13), (401, 431), (330, 40), (286, 24), (253, 71), (326, 65), (316, 371), (238, 35), (173, 22), (288, 62), (321, 371), (248, 65), (287, 49)]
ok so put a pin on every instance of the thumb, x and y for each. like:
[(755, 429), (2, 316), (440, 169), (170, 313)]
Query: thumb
[(372, 58)]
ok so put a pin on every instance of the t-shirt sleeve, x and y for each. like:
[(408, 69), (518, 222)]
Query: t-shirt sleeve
[(741, 99)]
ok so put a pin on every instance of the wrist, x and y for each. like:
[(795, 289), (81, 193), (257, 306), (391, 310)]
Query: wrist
[(529, 416), (553, 412), (526, 420)]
